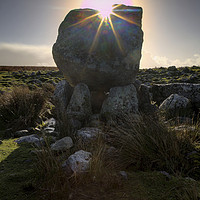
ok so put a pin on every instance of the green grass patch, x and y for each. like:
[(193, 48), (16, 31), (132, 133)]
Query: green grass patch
[(16, 171)]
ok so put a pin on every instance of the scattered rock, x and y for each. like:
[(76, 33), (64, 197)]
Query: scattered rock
[(123, 175), (80, 104), (33, 139), (62, 144), (50, 123), (120, 100), (49, 130), (166, 174), (175, 105), (88, 134), (79, 162), (188, 90)]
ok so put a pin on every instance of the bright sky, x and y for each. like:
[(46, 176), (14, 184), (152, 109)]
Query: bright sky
[(28, 29)]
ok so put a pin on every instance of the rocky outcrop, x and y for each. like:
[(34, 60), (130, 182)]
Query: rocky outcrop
[(90, 53), (176, 105), (121, 100), (188, 90)]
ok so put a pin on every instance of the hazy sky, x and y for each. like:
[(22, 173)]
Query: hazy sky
[(28, 29)]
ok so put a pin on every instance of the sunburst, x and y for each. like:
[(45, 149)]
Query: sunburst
[(105, 16)]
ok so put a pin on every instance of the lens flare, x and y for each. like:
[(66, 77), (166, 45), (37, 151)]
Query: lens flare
[(106, 12)]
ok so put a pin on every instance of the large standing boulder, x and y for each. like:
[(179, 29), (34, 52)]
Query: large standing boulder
[(97, 52), (121, 100), (175, 105), (79, 107)]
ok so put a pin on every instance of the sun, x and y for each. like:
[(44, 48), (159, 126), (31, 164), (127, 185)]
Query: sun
[(105, 12)]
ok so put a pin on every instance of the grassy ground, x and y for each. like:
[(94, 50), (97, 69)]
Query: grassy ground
[(16, 171), (18, 167), (17, 181)]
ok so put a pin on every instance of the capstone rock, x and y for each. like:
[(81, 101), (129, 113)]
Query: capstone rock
[(94, 51)]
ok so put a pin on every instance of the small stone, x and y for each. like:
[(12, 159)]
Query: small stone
[(62, 144), (124, 175), (79, 162), (166, 174), (89, 134), (50, 122)]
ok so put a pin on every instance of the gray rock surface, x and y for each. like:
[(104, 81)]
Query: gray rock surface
[(79, 161), (176, 105), (99, 59), (120, 100), (32, 139), (88, 133), (80, 104), (188, 90), (62, 96), (21, 133), (62, 144)]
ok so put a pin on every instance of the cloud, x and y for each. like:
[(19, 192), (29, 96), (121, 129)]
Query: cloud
[(23, 54), (164, 61)]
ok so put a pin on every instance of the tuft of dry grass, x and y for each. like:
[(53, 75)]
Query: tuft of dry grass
[(52, 179), (147, 144), (20, 108)]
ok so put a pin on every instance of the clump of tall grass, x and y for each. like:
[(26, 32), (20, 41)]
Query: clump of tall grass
[(52, 180), (21, 107), (147, 144)]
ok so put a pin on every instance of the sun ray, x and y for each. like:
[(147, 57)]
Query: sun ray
[(117, 37), (126, 19), (84, 20), (96, 36)]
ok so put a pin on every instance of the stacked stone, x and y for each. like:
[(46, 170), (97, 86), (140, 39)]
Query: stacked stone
[(100, 60)]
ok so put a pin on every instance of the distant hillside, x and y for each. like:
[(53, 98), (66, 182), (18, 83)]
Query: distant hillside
[(27, 68)]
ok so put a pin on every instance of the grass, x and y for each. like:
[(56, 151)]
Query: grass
[(144, 147), (16, 171), (20, 108), (147, 144)]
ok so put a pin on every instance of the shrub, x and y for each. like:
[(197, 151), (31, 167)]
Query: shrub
[(147, 144), (21, 107)]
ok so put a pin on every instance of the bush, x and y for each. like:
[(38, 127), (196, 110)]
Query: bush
[(20, 108), (147, 144)]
